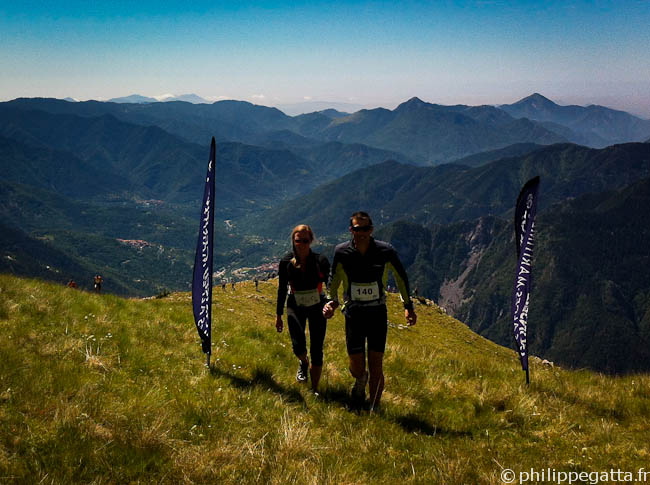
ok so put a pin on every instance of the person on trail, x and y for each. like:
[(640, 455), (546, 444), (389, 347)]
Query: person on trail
[(302, 273), (362, 265), (72, 284), (98, 283), (257, 284)]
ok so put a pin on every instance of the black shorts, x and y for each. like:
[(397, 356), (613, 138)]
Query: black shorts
[(366, 324)]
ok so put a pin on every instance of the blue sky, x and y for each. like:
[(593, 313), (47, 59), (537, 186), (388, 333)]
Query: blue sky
[(365, 53)]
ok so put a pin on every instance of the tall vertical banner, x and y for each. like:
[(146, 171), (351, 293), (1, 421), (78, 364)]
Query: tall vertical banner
[(525, 239), (202, 277)]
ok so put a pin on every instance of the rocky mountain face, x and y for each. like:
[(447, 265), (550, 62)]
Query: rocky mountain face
[(590, 305)]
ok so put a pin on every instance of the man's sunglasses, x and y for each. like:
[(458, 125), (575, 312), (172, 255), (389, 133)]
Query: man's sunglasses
[(302, 241), (361, 228)]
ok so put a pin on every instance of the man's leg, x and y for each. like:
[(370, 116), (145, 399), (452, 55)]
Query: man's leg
[(355, 340), (357, 365), (358, 371), (376, 369), (376, 347)]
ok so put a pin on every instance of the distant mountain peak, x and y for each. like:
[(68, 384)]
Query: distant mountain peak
[(412, 103), (536, 100)]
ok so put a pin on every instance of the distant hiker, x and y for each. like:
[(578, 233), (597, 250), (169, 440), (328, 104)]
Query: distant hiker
[(72, 284), (223, 285), (232, 283), (362, 266), (257, 284), (98, 283), (302, 273), (415, 291)]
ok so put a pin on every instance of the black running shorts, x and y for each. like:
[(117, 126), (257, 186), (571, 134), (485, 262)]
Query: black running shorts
[(366, 324)]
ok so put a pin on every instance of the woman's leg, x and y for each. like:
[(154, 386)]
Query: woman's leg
[(296, 321), (317, 330)]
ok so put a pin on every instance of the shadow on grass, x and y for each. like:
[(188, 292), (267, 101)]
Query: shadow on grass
[(340, 395), (411, 423), (414, 424), (261, 379)]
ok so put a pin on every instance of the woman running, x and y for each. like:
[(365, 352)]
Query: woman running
[(302, 273)]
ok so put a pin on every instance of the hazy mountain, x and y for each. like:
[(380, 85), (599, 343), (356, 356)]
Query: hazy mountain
[(196, 123), (189, 98), (137, 98), (295, 109), (334, 114), (593, 125), (114, 157), (434, 133), (482, 158), (133, 98)]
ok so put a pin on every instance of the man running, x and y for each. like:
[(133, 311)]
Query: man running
[(362, 266)]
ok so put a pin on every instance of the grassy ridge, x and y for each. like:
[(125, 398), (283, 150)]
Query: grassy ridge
[(99, 389)]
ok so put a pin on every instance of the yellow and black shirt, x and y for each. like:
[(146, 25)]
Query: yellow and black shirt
[(364, 276)]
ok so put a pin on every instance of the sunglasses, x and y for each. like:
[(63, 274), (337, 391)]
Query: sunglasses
[(302, 241), (361, 228)]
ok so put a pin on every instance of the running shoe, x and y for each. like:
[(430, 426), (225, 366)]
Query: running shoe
[(359, 388), (303, 372)]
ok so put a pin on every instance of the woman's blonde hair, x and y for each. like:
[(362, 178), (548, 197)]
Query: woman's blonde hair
[(297, 229)]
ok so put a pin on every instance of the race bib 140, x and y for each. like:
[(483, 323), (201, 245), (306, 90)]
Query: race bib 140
[(364, 291)]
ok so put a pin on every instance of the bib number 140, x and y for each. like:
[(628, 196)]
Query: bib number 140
[(365, 292)]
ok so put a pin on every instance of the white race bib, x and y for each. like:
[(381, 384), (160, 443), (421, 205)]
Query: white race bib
[(364, 291), (307, 297)]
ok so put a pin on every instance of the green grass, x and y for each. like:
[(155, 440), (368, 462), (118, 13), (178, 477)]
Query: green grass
[(99, 389)]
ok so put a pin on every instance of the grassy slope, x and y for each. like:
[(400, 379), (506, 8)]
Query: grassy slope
[(99, 389)]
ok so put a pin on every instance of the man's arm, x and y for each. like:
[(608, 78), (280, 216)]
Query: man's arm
[(401, 279)]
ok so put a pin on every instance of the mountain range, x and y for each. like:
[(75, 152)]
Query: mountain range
[(114, 188), (595, 126), (426, 133)]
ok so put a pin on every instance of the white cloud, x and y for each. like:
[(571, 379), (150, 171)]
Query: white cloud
[(258, 96), (163, 97), (307, 98)]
